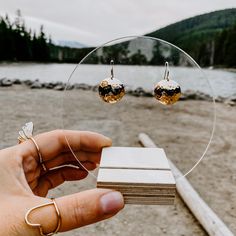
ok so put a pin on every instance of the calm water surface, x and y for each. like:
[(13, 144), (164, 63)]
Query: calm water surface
[(223, 83)]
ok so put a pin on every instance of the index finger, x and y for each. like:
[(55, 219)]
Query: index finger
[(51, 144)]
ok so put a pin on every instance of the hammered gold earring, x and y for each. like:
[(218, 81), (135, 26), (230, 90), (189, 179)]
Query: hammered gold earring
[(167, 91), (111, 90)]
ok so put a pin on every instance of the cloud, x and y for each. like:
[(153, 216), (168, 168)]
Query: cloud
[(94, 22), (56, 30), (60, 31)]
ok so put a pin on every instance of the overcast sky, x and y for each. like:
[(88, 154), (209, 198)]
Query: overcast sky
[(93, 22)]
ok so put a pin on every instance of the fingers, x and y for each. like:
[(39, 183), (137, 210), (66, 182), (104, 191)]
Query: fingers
[(88, 207), (68, 157), (80, 209), (58, 176), (53, 143)]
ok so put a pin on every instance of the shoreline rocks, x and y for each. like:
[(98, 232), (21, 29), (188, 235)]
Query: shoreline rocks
[(138, 92), (5, 82), (36, 85)]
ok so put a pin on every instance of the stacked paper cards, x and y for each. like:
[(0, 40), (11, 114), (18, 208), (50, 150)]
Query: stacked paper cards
[(142, 175)]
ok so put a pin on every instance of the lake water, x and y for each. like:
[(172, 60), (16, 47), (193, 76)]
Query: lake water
[(223, 83)]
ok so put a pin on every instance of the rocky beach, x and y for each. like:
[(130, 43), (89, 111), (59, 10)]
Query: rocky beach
[(138, 92), (182, 131)]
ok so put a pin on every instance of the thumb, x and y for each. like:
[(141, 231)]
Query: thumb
[(80, 209)]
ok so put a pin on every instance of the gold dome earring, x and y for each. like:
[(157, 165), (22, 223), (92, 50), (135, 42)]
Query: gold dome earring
[(167, 91), (111, 90)]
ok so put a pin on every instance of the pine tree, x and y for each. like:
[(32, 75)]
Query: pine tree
[(17, 43), (157, 58), (138, 58)]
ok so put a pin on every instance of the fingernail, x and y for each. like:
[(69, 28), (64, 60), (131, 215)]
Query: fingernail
[(112, 202), (108, 139)]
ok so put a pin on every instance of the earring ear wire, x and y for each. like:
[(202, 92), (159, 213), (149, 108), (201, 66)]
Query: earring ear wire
[(167, 72), (112, 72), (111, 90)]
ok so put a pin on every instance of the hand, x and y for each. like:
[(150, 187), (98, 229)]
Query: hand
[(24, 184)]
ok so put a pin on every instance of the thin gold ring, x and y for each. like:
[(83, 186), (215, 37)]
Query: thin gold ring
[(39, 225), (39, 154)]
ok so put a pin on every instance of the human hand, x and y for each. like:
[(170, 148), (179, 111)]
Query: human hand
[(24, 184)]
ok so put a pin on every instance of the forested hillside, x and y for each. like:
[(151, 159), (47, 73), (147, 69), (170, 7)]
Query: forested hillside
[(17, 43), (209, 38)]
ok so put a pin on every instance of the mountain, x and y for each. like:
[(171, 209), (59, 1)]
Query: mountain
[(70, 44), (198, 33), (209, 38), (203, 26)]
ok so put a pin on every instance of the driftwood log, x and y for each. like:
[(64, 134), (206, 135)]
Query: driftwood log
[(212, 224)]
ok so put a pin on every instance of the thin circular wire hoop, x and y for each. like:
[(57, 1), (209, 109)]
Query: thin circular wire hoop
[(164, 42)]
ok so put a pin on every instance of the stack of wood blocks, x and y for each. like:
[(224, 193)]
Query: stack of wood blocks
[(142, 175)]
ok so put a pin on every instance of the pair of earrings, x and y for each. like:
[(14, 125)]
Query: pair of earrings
[(167, 91)]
